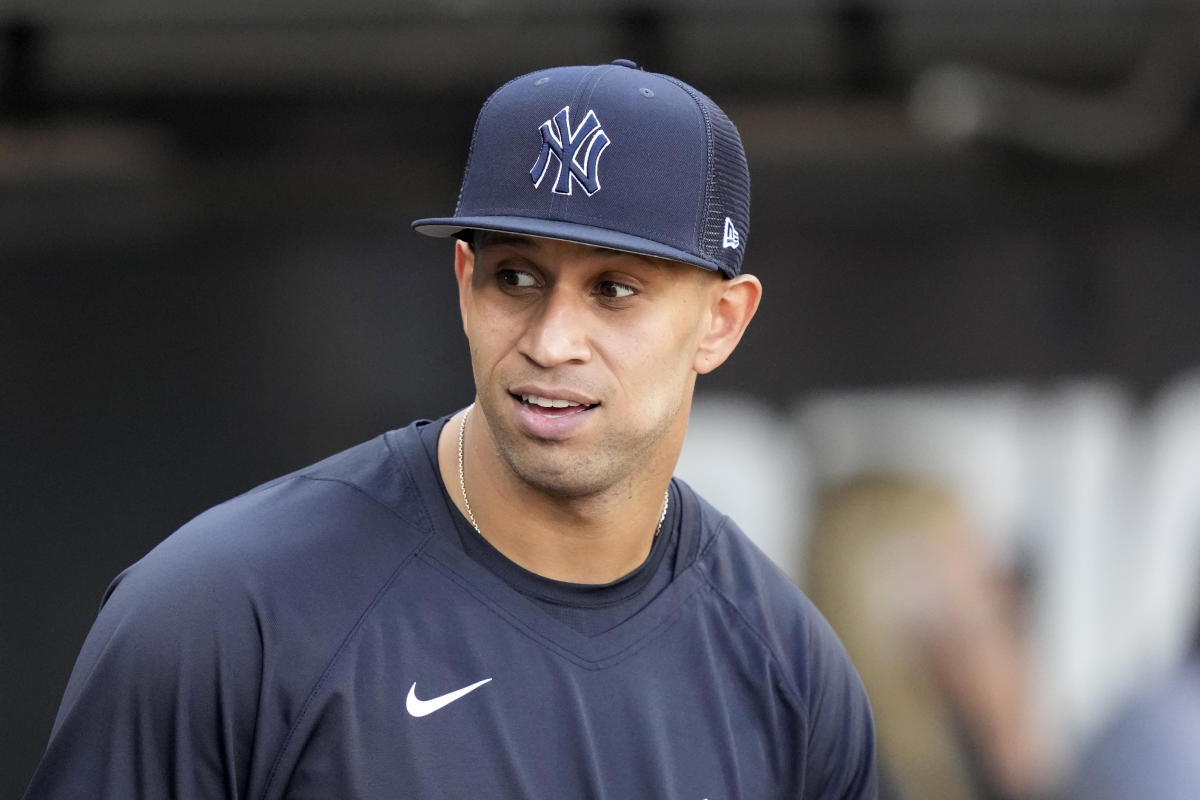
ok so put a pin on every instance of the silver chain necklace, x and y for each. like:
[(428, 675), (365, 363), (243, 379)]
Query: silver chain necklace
[(462, 481)]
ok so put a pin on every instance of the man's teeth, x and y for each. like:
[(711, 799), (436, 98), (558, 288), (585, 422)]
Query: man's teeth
[(546, 402)]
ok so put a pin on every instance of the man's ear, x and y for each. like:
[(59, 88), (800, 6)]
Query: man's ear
[(733, 306), (464, 269)]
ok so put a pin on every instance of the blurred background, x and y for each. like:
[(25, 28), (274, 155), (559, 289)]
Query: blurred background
[(978, 226)]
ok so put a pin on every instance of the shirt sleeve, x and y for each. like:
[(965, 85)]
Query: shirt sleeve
[(841, 732), (161, 700)]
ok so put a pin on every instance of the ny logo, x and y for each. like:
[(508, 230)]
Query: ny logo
[(577, 150)]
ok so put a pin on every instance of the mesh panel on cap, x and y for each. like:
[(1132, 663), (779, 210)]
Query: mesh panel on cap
[(728, 195), (727, 186), (462, 188)]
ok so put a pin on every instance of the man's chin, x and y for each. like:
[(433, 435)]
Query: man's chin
[(555, 470)]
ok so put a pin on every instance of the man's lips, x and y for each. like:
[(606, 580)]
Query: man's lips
[(553, 406)]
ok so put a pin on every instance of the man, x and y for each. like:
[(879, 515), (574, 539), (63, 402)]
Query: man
[(516, 601)]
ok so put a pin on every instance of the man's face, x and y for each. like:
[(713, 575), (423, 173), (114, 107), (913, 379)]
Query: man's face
[(584, 358)]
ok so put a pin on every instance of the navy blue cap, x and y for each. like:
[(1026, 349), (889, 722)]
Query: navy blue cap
[(612, 156)]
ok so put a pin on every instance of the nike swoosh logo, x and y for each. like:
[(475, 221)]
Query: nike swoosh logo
[(421, 708)]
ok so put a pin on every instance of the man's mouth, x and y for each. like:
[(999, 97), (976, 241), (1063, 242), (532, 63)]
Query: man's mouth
[(553, 406)]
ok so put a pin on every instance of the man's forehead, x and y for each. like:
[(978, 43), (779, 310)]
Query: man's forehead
[(488, 238)]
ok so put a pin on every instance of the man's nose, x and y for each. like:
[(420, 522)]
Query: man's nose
[(557, 333)]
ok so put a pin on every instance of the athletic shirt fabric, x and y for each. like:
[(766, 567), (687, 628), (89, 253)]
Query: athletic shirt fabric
[(277, 646)]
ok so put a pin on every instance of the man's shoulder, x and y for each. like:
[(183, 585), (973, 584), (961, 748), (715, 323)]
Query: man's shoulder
[(737, 567), (359, 512), (381, 477), (763, 599), (811, 666), (258, 594), (387, 470)]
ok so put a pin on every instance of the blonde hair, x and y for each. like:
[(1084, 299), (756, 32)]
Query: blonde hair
[(866, 564)]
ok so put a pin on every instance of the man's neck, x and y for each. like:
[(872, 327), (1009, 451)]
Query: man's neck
[(590, 540)]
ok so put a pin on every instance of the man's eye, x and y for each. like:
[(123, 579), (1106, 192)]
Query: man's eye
[(516, 278), (614, 290)]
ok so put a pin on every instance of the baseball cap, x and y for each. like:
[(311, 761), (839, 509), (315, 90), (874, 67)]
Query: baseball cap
[(608, 155)]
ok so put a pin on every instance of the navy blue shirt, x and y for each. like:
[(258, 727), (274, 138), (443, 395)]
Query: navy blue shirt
[(342, 632)]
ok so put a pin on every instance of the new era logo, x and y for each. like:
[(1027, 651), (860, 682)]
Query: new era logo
[(577, 152), (731, 238)]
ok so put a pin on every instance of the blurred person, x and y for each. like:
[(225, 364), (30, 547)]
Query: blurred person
[(929, 622), (1150, 750), (517, 599)]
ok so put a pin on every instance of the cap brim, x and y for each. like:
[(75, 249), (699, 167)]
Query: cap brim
[(442, 227)]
